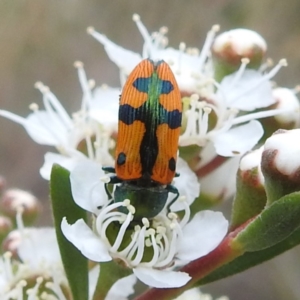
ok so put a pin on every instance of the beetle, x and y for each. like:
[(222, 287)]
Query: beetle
[(149, 124)]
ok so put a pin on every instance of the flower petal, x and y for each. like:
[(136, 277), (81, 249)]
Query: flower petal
[(201, 235), (161, 278), (87, 189), (105, 106), (249, 92), (33, 252), (122, 289), (125, 59), (221, 182), (33, 126), (54, 158), (85, 240), (94, 274), (238, 140), (187, 184)]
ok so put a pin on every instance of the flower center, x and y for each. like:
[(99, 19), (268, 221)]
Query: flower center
[(147, 243)]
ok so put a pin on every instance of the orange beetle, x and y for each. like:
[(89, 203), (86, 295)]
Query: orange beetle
[(149, 124), (148, 132)]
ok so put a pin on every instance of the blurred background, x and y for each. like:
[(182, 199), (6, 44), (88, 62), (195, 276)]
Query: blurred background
[(40, 40)]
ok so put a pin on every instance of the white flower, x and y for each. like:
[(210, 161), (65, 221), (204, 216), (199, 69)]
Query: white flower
[(54, 127), (167, 239), (233, 133), (39, 254), (190, 66)]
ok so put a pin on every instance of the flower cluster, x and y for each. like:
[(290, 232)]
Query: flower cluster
[(229, 104)]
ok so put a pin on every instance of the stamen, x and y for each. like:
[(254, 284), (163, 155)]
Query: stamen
[(19, 289), (121, 233), (7, 265), (191, 116), (259, 115), (268, 76), (140, 248), (34, 107), (90, 30), (187, 212), (125, 252), (147, 49), (146, 222), (111, 217), (85, 86), (245, 61), (171, 251), (19, 220), (54, 286), (207, 45), (203, 118), (33, 292), (154, 259), (182, 47), (53, 106)]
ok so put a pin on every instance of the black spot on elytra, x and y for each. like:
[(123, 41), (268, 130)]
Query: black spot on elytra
[(121, 159), (172, 164)]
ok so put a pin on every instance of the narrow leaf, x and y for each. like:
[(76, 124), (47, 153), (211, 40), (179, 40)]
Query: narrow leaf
[(63, 205), (251, 259), (272, 226)]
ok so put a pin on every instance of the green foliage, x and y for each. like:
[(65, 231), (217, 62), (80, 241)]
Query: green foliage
[(63, 205), (273, 225)]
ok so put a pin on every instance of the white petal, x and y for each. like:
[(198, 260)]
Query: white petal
[(238, 140), (33, 127), (122, 289), (94, 274), (187, 184), (201, 235), (221, 182), (35, 253), (54, 130), (247, 94), (85, 240), (54, 158), (161, 278), (87, 189), (183, 65), (125, 59), (105, 106)]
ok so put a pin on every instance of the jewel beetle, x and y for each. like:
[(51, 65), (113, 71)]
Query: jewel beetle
[(149, 124)]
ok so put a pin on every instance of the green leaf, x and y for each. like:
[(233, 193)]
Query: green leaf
[(272, 226), (251, 259), (63, 205)]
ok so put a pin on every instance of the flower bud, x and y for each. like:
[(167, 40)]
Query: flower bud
[(13, 199), (230, 47), (281, 164), (285, 100), (250, 197)]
